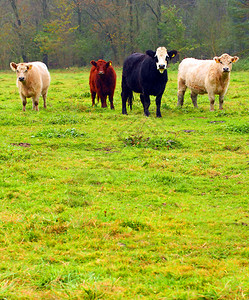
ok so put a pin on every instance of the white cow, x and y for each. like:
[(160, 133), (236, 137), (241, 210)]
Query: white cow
[(205, 77), (33, 80)]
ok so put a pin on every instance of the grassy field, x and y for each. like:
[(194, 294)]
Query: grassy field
[(97, 205)]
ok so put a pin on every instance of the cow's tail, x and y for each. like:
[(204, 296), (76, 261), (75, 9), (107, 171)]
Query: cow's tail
[(127, 95)]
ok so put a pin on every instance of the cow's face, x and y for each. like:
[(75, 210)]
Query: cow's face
[(21, 70), (101, 66), (162, 57), (225, 62)]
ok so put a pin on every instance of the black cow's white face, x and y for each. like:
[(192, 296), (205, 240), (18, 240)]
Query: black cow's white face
[(162, 59)]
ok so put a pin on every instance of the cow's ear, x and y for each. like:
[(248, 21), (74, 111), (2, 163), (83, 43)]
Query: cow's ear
[(93, 62), (29, 67), (234, 59), (109, 63), (217, 59), (13, 66), (151, 53), (172, 53)]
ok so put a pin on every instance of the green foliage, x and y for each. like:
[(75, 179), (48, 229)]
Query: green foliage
[(172, 28), (72, 33), (238, 12), (242, 65)]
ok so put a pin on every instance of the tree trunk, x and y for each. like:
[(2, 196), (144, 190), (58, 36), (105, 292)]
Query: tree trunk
[(158, 14), (131, 25), (159, 18), (45, 13), (18, 26), (45, 10)]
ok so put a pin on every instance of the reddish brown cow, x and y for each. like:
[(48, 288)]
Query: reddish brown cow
[(102, 81)]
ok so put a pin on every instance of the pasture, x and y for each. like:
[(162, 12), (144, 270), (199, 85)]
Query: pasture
[(100, 205)]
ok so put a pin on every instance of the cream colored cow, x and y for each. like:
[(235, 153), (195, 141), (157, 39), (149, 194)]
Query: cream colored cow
[(205, 77), (33, 80)]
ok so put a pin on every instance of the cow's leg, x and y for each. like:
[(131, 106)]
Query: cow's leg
[(142, 99), (130, 98), (44, 96), (124, 99), (194, 98), (221, 100), (211, 97), (35, 100), (111, 100), (146, 105), (103, 101), (24, 102), (158, 105), (180, 96), (93, 95), (181, 91)]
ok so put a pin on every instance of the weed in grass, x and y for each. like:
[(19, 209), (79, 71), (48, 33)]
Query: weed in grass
[(77, 202), (165, 179), (54, 133), (166, 106), (135, 225), (86, 95), (15, 154), (231, 148), (155, 143), (64, 119), (210, 295), (238, 128), (92, 294)]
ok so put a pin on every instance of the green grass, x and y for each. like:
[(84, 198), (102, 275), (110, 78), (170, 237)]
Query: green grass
[(97, 205)]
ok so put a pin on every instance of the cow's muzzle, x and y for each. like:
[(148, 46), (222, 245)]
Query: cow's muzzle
[(21, 78), (101, 73), (226, 70), (161, 68)]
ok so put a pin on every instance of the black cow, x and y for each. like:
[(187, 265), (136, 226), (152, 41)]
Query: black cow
[(145, 74)]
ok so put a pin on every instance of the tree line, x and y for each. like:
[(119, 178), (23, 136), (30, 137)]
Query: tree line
[(64, 33)]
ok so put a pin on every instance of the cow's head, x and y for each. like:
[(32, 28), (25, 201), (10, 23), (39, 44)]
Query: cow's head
[(161, 57), (21, 70), (101, 66), (225, 62)]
